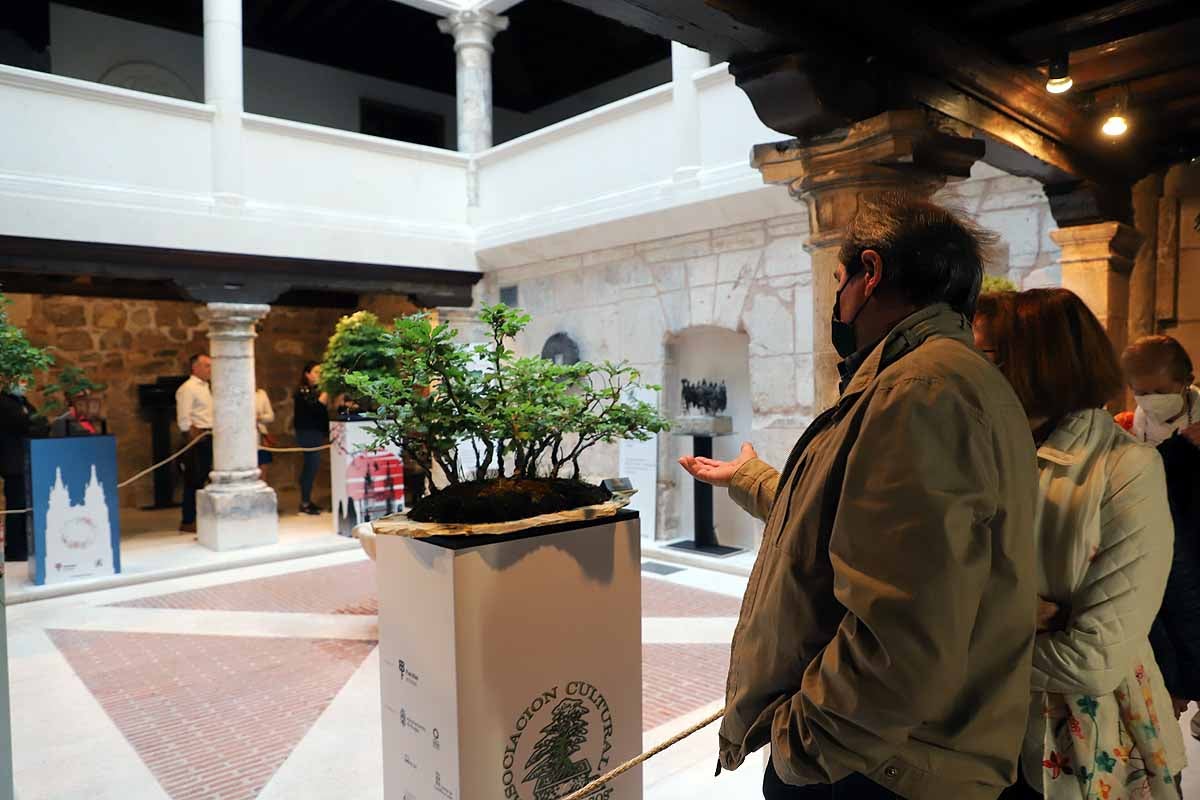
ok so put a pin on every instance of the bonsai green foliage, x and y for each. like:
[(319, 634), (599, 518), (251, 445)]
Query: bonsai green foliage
[(997, 283), (19, 358), (359, 344), (72, 382), (523, 417)]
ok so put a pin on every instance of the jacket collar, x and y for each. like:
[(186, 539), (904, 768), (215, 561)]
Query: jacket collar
[(1070, 440), (936, 320)]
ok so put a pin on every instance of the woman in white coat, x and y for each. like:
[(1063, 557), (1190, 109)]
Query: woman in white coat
[(1101, 725)]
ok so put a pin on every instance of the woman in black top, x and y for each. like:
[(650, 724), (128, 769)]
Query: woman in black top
[(311, 421), (19, 421)]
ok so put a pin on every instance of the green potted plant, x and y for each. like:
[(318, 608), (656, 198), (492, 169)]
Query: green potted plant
[(505, 433), (997, 283), (359, 344), (20, 360), (511, 593), (72, 382)]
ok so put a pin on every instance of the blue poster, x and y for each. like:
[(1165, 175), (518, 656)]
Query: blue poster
[(73, 490)]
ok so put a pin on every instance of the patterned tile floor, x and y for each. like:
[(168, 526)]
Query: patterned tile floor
[(262, 683), (213, 687)]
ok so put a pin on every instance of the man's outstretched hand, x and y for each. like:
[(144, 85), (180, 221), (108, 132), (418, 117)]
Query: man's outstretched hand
[(718, 473)]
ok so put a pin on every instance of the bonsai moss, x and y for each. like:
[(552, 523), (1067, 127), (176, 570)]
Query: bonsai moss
[(520, 423), (505, 499)]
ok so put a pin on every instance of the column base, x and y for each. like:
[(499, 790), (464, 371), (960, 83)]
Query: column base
[(233, 519)]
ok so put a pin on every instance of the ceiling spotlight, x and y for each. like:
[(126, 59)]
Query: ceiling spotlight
[(1115, 125), (1117, 122), (1060, 73)]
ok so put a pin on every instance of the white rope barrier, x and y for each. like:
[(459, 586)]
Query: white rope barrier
[(316, 449), (646, 756), (179, 453), (166, 460)]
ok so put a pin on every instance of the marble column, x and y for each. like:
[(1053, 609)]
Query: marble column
[(223, 91), (473, 33), (685, 103), (236, 509), (909, 151), (1097, 260)]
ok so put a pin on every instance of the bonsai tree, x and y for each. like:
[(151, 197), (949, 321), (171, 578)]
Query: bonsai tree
[(359, 344), (20, 360), (522, 422), (72, 382)]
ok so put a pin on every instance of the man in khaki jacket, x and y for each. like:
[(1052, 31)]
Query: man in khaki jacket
[(885, 638)]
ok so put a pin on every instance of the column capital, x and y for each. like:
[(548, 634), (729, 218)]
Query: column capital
[(473, 28), (1096, 262), (896, 150), (234, 320), (1115, 244)]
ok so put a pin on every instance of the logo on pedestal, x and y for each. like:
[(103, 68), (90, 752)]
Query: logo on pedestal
[(568, 745)]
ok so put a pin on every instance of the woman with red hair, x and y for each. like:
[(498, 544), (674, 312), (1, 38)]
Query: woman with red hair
[(1100, 721)]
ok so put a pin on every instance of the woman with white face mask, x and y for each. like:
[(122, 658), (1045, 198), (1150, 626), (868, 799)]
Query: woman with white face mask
[(1168, 415), (1160, 374)]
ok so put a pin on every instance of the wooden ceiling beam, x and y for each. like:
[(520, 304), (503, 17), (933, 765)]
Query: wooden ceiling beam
[(1144, 91), (1095, 26), (1136, 56)]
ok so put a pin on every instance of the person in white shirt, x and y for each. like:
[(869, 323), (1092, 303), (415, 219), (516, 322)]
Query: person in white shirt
[(264, 415), (194, 413)]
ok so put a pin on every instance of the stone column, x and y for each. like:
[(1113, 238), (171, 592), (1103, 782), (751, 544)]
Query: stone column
[(685, 102), (894, 151), (223, 90), (1143, 280), (1096, 262), (236, 509), (473, 32)]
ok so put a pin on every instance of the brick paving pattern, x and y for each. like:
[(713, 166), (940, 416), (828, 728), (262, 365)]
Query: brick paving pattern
[(678, 678), (213, 717), (350, 589), (666, 599), (344, 589)]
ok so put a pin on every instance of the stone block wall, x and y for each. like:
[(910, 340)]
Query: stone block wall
[(1016, 209), (123, 343), (633, 302)]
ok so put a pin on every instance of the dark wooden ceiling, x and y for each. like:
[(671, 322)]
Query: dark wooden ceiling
[(551, 50), (1145, 51), (813, 65)]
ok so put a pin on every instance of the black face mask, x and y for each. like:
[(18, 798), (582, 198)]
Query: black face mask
[(841, 333)]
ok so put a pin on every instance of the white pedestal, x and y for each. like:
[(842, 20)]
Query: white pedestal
[(511, 668), (231, 520)]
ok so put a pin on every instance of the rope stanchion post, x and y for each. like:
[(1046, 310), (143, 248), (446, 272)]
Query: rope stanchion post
[(646, 756)]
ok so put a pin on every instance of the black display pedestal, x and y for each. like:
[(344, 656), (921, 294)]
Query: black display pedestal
[(705, 535)]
